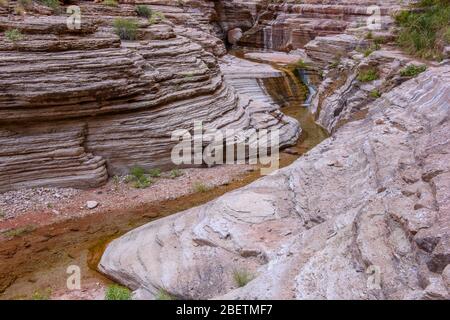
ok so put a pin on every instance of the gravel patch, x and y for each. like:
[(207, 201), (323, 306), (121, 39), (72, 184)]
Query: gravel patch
[(69, 202), (14, 203)]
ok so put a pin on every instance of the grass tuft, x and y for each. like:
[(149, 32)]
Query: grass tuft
[(138, 178), (143, 11), (425, 32), (154, 173), (110, 3), (200, 187), (412, 70), (116, 292), (42, 295), (164, 295), (13, 35), (175, 173), (368, 75), (242, 277)]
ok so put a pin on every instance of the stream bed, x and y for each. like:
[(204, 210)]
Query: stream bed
[(34, 265)]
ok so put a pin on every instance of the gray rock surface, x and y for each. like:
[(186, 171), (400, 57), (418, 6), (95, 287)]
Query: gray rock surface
[(365, 215)]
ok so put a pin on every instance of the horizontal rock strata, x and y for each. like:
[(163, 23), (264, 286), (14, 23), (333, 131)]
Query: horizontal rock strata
[(77, 106), (290, 25)]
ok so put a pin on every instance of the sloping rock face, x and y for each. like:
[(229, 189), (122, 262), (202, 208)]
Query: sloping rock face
[(344, 96), (79, 105), (365, 215), (291, 25)]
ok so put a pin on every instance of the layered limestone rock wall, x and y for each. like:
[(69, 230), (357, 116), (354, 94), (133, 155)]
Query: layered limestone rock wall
[(290, 25), (77, 105), (364, 215)]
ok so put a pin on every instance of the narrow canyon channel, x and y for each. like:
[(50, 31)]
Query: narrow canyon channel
[(36, 263)]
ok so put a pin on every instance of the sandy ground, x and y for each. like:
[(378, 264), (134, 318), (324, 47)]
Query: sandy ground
[(25, 210), (35, 207)]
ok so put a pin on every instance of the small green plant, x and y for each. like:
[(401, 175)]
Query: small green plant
[(368, 75), (137, 172), (116, 292), (110, 3), (175, 173), (2, 214), (242, 277), (138, 178), (42, 295), (13, 35), (52, 4), (142, 183), (375, 94), (156, 17), (200, 187), (18, 232), (143, 11), (412, 70), (369, 35), (164, 295), (4, 3), (154, 173), (126, 29)]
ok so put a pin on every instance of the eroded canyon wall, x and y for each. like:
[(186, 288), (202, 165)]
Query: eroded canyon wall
[(287, 25), (79, 105)]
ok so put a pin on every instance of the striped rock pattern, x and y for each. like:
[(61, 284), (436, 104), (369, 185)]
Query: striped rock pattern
[(365, 215), (77, 106)]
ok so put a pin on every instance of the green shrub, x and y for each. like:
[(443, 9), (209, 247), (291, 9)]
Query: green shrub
[(4, 3), (138, 178), (126, 29), (13, 35), (175, 173), (368, 75), (116, 292), (143, 11), (425, 32), (242, 277), (412, 70)]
